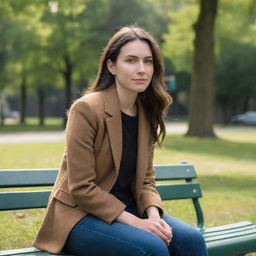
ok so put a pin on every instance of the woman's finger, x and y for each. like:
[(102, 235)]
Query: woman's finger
[(165, 238), (168, 229)]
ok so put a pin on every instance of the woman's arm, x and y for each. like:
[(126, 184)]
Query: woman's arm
[(81, 131), (152, 212)]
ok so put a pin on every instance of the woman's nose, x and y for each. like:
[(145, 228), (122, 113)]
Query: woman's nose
[(141, 67)]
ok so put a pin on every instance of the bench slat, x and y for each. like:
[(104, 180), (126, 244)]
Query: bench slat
[(39, 199), (232, 246), (179, 191), (231, 235), (251, 228), (27, 178), (227, 227), (46, 177), (24, 200), (175, 172), (28, 251)]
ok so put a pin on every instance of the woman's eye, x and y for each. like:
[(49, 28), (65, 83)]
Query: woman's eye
[(130, 60), (148, 61)]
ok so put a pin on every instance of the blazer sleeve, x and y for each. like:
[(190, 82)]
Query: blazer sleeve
[(80, 135), (149, 195)]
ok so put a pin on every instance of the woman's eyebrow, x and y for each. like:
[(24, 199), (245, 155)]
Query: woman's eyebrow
[(134, 56)]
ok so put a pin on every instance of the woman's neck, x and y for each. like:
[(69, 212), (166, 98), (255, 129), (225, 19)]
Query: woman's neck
[(127, 101)]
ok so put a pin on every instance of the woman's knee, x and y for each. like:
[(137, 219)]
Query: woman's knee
[(197, 238), (187, 240), (189, 243), (155, 247), (197, 243)]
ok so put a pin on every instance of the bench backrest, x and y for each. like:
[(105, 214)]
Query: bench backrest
[(46, 177)]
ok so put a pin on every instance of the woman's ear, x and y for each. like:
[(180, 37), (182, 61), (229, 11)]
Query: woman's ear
[(111, 67)]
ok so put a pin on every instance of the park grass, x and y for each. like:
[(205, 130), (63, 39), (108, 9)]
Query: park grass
[(226, 168), (227, 173), (32, 124)]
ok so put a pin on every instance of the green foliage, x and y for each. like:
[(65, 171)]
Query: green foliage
[(42, 35), (100, 25), (235, 50), (183, 80), (7, 31), (178, 45), (235, 21), (236, 79), (24, 42), (36, 40)]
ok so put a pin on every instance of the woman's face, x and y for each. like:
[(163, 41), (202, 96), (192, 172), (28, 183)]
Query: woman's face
[(133, 69)]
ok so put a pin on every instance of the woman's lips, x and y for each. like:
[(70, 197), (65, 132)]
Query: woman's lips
[(140, 80)]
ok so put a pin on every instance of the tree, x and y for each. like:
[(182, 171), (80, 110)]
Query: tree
[(235, 22), (6, 31), (235, 78), (81, 29), (25, 47), (236, 44), (21, 41), (99, 25), (63, 39), (201, 111)]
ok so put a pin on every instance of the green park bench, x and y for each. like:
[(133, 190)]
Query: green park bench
[(228, 240)]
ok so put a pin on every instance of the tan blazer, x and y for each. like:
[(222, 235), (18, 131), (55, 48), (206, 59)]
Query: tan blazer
[(90, 168)]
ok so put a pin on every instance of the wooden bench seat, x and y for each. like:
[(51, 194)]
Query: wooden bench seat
[(227, 240)]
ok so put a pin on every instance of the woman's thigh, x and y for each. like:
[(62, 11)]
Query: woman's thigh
[(93, 237), (187, 240)]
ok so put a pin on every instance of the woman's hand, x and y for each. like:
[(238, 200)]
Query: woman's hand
[(156, 226), (153, 224), (153, 214)]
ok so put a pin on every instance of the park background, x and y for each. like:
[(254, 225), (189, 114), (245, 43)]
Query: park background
[(49, 53)]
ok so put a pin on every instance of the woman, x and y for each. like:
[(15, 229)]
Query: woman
[(104, 201)]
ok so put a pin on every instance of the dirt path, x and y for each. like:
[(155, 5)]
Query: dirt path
[(58, 136)]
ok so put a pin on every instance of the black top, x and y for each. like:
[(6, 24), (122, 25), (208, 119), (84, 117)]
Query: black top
[(122, 188)]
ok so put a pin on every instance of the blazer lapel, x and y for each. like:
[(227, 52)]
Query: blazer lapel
[(114, 124)]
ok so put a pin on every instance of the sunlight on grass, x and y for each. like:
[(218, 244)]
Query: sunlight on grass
[(34, 155), (18, 228), (48, 121), (248, 137), (32, 124)]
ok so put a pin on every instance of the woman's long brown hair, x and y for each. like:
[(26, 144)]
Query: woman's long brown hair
[(154, 99)]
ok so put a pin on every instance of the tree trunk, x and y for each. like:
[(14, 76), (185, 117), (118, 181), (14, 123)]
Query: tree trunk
[(67, 73), (40, 93), (201, 112), (23, 100)]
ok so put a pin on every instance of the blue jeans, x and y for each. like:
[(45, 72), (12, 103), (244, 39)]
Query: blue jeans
[(94, 237)]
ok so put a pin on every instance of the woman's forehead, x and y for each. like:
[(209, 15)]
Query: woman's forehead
[(136, 48)]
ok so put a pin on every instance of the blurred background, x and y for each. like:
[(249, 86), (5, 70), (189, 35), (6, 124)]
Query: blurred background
[(49, 53)]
